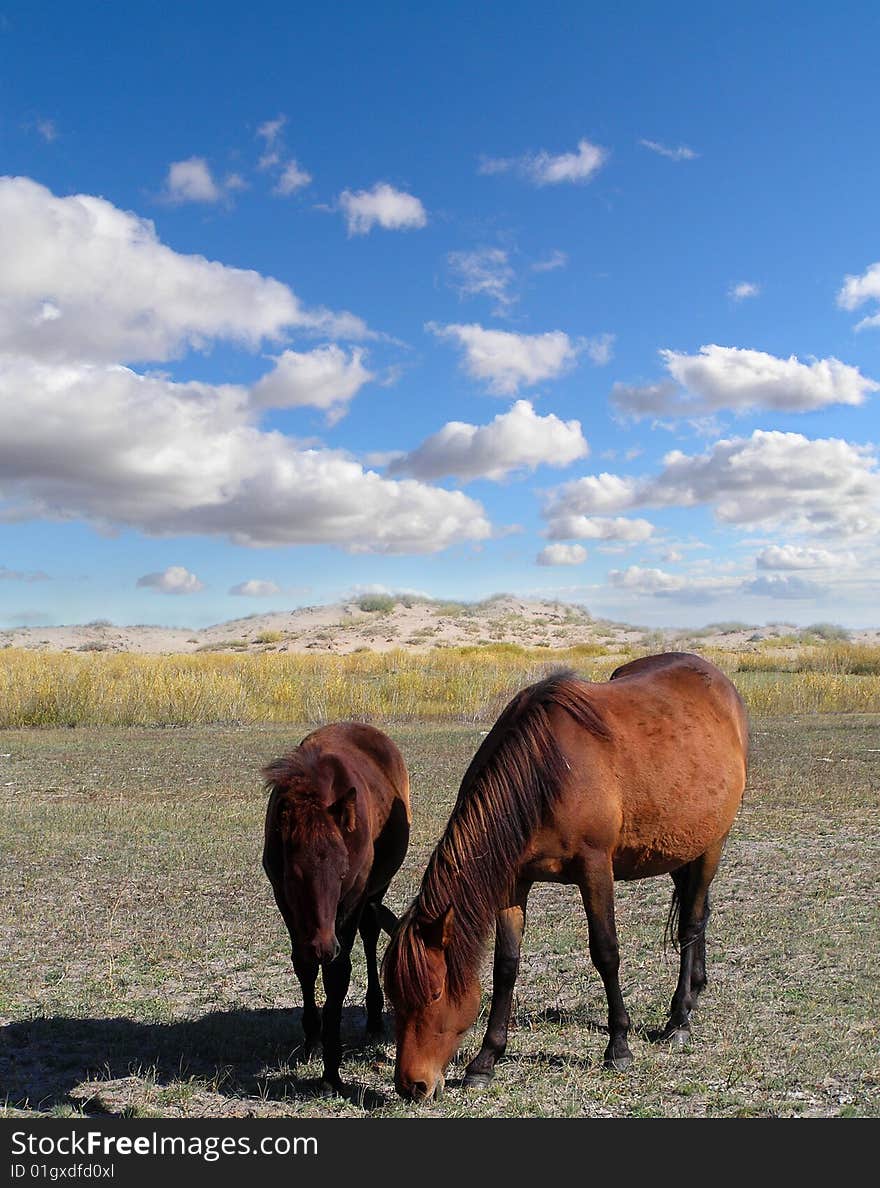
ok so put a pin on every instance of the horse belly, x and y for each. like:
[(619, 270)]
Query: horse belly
[(667, 824)]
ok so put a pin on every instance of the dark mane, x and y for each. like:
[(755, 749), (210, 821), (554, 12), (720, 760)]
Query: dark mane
[(515, 776), (296, 780)]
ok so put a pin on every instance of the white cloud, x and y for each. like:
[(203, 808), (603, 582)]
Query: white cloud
[(325, 378), (486, 272), (271, 130), (787, 586), (658, 583), (505, 361), (546, 169), (104, 444), (292, 178), (173, 580), (681, 153), (85, 280), (600, 349), (857, 290), (255, 588), (191, 181), (383, 206), (562, 554), (819, 487), (798, 557), (515, 440), (731, 378), (743, 290), (562, 526), (48, 130), (645, 581), (555, 259), (592, 493)]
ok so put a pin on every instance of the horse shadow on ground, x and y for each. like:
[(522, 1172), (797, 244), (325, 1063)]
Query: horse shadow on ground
[(246, 1054)]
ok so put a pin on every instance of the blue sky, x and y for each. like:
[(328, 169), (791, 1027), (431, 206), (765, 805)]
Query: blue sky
[(459, 300)]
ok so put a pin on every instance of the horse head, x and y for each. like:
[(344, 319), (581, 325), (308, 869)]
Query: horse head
[(430, 1018)]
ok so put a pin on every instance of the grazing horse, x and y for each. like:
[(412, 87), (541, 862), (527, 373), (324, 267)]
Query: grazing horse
[(337, 829), (576, 783)]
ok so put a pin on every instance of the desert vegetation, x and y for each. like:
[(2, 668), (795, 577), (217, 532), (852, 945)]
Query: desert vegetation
[(462, 684)]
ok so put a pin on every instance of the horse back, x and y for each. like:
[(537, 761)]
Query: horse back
[(667, 782)]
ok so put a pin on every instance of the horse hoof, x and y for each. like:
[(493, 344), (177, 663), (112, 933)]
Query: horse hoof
[(619, 1063), (680, 1038), (477, 1081), (331, 1088)]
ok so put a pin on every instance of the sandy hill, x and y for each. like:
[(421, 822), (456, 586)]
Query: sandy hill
[(380, 623)]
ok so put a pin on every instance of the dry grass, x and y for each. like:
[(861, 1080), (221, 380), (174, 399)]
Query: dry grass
[(464, 684), (146, 971)]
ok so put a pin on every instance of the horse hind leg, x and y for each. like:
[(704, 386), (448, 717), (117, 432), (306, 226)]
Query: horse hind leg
[(370, 926), (691, 900)]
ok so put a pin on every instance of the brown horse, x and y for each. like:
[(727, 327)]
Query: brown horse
[(337, 829), (576, 783)]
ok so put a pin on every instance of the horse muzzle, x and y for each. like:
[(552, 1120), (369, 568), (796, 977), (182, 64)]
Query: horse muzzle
[(419, 1090)]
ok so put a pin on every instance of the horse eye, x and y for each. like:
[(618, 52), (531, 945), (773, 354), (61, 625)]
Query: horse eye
[(437, 995)]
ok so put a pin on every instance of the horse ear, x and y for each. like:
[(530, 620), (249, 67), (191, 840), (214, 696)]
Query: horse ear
[(438, 933), (345, 811)]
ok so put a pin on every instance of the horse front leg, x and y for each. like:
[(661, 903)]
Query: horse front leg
[(337, 977), (306, 971), (509, 928), (596, 884)]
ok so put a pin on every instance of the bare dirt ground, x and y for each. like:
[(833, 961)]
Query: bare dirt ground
[(409, 623), (146, 969)]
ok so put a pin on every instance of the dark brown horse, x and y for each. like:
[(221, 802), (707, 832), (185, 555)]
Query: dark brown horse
[(576, 783), (337, 829)]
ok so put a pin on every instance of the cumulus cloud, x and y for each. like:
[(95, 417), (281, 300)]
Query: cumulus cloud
[(743, 290), (660, 584), (563, 526), (730, 378), (255, 588), (857, 290), (326, 378), (85, 280), (819, 487), (173, 580), (783, 586), (383, 206), (593, 493), (192, 181), (562, 554), (116, 448), (505, 361), (680, 153), (547, 169), (797, 557), (486, 272), (515, 440)]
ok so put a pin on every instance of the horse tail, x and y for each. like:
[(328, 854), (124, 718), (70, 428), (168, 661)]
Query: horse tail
[(670, 932)]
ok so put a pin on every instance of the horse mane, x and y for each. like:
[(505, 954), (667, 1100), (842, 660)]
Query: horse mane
[(296, 780), (513, 780)]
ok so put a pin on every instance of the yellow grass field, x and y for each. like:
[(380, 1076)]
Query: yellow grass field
[(464, 684)]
